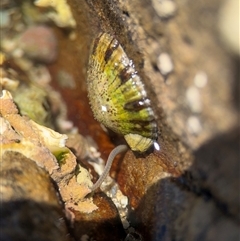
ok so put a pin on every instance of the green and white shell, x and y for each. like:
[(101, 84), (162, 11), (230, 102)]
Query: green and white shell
[(117, 95)]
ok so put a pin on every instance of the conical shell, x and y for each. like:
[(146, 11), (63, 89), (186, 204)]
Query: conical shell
[(117, 95)]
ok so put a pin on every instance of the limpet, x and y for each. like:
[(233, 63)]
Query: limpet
[(117, 95), (118, 98)]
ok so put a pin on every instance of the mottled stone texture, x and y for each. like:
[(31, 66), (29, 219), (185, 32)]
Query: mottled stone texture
[(102, 224), (197, 110), (30, 207), (187, 191)]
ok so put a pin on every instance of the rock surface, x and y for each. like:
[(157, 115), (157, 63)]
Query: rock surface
[(30, 206), (189, 189)]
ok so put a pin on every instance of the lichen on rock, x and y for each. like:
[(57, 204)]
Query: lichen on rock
[(44, 146)]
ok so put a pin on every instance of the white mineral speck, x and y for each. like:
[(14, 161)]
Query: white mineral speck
[(124, 201), (104, 108), (200, 79), (194, 125), (125, 61), (98, 167), (194, 99), (164, 8), (156, 146), (164, 63)]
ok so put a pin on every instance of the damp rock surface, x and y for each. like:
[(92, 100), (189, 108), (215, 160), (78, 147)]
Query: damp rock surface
[(184, 191), (30, 207)]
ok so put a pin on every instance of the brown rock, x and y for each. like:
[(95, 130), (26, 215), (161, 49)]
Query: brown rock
[(197, 109), (102, 224), (30, 207)]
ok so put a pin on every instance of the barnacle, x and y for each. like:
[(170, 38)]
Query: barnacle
[(47, 148), (35, 141)]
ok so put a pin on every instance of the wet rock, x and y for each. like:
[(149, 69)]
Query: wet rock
[(170, 212), (102, 224), (191, 108), (30, 206), (195, 107)]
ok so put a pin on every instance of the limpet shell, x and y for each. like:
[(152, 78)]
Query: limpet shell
[(117, 95)]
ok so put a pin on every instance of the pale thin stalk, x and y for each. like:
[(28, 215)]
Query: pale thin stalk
[(117, 150)]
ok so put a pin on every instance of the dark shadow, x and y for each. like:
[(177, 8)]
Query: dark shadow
[(203, 204), (27, 220)]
